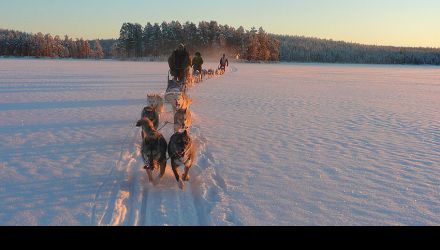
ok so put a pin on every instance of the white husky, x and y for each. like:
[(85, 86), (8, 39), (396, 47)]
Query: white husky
[(178, 100), (156, 102)]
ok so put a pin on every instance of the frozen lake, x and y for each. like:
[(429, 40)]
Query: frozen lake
[(281, 144)]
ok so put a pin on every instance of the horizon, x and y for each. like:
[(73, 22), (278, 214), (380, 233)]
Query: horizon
[(410, 24)]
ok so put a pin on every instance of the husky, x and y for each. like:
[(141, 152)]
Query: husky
[(183, 102), (182, 153), (156, 102), (154, 151), (182, 120), (150, 114), (204, 72), (178, 100), (198, 77)]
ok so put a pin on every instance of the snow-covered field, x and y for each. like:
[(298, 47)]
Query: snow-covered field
[(277, 145)]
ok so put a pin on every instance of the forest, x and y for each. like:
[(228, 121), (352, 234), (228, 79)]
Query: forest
[(157, 41), (21, 44), (209, 38), (305, 49)]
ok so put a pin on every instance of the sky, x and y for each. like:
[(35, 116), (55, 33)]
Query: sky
[(382, 22)]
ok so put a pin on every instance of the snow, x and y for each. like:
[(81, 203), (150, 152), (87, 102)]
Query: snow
[(281, 144)]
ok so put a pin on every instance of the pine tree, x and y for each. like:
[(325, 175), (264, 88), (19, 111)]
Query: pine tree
[(191, 36), (156, 40), (130, 38), (98, 52), (83, 49), (148, 39), (252, 45), (177, 32), (138, 39), (167, 38), (263, 48)]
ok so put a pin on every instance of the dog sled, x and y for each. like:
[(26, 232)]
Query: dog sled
[(174, 88), (221, 69)]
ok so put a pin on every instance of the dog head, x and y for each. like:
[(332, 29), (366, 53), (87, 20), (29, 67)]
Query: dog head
[(182, 120), (183, 101), (147, 128), (148, 111), (155, 101)]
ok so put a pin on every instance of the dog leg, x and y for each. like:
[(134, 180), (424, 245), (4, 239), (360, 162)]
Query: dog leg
[(182, 185), (185, 176), (176, 173), (180, 182), (150, 176), (163, 166)]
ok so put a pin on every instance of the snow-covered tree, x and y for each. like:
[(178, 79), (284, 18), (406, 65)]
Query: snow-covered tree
[(98, 52)]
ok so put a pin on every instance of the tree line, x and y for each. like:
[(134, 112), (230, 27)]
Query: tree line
[(305, 49), (16, 43), (209, 38)]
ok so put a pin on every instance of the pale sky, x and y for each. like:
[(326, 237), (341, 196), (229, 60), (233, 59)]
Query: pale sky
[(382, 22)]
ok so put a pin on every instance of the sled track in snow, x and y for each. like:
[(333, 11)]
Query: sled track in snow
[(112, 179), (132, 201)]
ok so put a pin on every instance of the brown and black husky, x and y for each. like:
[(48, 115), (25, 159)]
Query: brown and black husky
[(154, 150), (150, 114), (182, 153), (182, 120)]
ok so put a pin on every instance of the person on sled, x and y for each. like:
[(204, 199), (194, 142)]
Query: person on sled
[(197, 63), (180, 63), (224, 63)]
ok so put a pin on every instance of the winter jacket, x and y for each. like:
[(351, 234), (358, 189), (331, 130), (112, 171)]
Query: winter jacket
[(224, 62), (197, 63), (179, 61)]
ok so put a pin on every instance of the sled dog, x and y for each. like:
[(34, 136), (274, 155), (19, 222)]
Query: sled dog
[(153, 150), (182, 153), (156, 102), (182, 120)]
